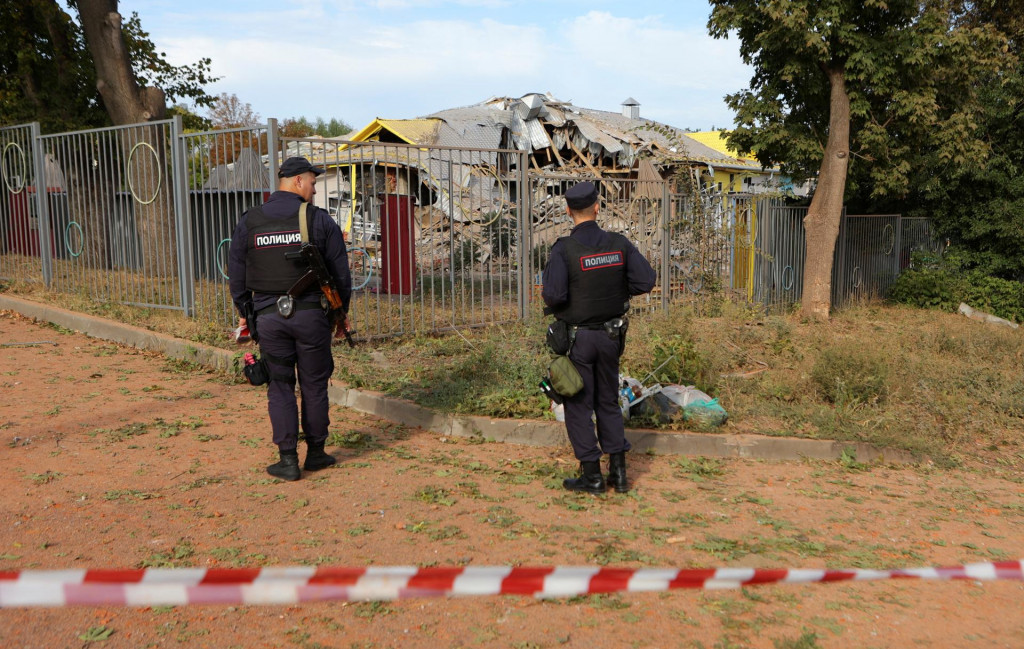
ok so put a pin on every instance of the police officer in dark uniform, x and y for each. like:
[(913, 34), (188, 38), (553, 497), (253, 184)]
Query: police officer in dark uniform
[(587, 283), (293, 332)]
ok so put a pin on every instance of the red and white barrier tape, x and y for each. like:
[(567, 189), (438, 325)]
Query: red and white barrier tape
[(291, 585)]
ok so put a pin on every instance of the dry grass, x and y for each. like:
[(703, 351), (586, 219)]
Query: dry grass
[(933, 383)]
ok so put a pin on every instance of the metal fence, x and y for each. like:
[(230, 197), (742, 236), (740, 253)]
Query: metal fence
[(777, 267), (439, 237), (434, 233)]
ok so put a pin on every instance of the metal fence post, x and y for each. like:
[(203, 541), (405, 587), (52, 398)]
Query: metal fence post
[(42, 203), (182, 219), (524, 275), (273, 142), (666, 242)]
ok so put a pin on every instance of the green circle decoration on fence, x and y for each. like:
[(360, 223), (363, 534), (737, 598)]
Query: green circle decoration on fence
[(889, 238), (695, 278), (6, 171), (787, 284), (217, 258), (360, 267), (156, 165), (67, 238)]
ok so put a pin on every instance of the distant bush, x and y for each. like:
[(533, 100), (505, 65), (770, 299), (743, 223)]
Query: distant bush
[(945, 285), (847, 375), (1001, 297), (678, 359), (925, 289)]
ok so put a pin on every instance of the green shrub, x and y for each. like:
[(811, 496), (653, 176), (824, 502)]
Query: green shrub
[(1001, 297), (945, 285), (678, 359), (464, 255), (926, 289), (848, 375), (501, 235)]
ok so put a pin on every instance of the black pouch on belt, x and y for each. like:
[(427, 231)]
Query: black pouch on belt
[(256, 372), (559, 337), (616, 329)]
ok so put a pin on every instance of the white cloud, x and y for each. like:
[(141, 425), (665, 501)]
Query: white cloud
[(681, 58), (410, 4), (349, 64)]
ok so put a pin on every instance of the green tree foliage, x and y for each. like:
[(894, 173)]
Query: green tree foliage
[(189, 120), (303, 127), (858, 90), (980, 208), (152, 69), (912, 71), (47, 73)]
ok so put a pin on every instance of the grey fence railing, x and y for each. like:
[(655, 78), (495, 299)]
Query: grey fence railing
[(439, 237)]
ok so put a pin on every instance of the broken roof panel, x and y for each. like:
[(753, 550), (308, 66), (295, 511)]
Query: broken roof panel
[(538, 122), (529, 134), (469, 134)]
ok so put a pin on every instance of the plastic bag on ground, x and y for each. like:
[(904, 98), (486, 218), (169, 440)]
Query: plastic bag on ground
[(671, 401), (705, 414), (558, 410), (631, 393), (684, 395)]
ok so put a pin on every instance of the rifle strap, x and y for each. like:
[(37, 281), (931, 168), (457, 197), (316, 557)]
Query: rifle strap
[(304, 222)]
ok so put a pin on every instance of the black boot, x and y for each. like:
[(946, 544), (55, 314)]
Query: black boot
[(317, 458), (617, 472), (287, 468), (591, 481)]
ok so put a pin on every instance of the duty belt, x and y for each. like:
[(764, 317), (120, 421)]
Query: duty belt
[(299, 306), (614, 327)]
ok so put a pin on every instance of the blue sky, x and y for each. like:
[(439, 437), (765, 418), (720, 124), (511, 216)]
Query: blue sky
[(356, 60)]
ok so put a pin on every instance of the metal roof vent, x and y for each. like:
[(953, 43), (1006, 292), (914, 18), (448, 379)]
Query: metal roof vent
[(631, 108), (529, 106)]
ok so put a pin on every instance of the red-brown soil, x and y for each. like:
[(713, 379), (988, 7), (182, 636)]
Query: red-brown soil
[(115, 457)]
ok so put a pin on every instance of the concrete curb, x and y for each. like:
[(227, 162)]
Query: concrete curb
[(527, 432)]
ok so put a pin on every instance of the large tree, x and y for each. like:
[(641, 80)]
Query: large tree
[(46, 74), (98, 71), (135, 83), (872, 83), (48, 71)]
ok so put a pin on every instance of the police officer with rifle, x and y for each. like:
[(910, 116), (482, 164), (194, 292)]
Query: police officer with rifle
[(290, 282), (588, 281)]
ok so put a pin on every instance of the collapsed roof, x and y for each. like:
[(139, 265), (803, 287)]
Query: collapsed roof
[(559, 136)]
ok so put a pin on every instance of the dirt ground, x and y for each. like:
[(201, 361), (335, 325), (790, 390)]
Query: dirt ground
[(118, 458)]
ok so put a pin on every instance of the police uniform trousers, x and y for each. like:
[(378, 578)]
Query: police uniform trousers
[(596, 356), (303, 342)]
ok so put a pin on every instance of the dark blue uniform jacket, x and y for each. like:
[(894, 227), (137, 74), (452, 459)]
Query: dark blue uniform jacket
[(325, 233), (639, 274)]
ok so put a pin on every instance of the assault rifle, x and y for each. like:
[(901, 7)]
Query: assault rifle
[(310, 254)]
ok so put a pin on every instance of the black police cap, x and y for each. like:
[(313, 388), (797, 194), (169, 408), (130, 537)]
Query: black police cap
[(581, 196), (295, 166)]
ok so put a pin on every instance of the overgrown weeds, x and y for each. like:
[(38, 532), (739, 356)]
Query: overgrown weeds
[(932, 383)]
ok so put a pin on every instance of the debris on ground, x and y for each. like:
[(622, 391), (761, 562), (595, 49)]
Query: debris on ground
[(974, 314), (666, 403)]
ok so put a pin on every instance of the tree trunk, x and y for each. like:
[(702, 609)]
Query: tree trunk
[(821, 225), (125, 101), (128, 103)]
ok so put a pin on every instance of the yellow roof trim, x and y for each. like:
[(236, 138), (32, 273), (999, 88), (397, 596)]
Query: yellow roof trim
[(366, 132), (411, 131), (717, 141)]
